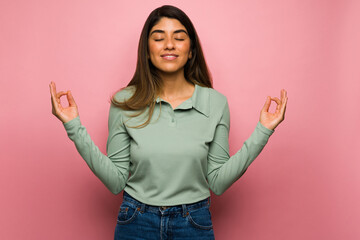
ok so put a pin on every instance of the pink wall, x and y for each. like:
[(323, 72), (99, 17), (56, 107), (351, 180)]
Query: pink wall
[(304, 185)]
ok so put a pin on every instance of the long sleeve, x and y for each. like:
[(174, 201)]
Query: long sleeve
[(223, 169), (113, 169)]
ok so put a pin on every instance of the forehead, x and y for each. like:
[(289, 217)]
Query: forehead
[(168, 25)]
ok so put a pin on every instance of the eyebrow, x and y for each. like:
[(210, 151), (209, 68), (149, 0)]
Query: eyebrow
[(162, 31)]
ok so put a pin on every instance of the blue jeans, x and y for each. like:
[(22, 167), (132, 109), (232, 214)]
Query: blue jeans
[(137, 220)]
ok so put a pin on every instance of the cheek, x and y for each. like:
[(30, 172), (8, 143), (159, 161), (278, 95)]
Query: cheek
[(185, 47), (154, 48), (151, 48)]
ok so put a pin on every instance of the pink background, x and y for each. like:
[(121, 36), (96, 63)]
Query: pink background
[(305, 183)]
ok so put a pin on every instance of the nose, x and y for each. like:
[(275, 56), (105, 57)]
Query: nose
[(169, 44)]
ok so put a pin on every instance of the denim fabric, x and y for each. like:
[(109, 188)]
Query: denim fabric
[(137, 220)]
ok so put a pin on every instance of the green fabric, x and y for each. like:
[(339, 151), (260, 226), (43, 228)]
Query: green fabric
[(177, 157)]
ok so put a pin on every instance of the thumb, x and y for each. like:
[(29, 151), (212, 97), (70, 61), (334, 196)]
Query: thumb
[(267, 104), (70, 98)]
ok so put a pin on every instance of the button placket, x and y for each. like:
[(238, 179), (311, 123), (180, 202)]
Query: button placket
[(172, 117)]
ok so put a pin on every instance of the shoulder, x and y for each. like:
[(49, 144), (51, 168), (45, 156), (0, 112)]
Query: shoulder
[(124, 93), (213, 102), (121, 95), (220, 107), (116, 114), (216, 94), (217, 99)]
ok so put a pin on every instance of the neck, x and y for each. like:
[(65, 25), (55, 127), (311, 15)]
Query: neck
[(174, 85)]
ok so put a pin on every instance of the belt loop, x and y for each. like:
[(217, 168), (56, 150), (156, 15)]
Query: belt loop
[(184, 210), (209, 201), (142, 209)]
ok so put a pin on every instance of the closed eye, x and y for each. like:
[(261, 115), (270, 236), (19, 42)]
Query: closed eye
[(163, 39)]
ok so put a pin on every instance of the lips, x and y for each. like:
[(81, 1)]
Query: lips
[(169, 56)]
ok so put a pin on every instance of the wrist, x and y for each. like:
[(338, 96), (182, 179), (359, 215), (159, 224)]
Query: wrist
[(72, 122), (267, 127)]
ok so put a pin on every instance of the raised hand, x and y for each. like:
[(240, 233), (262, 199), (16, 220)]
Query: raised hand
[(272, 120), (64, 114)]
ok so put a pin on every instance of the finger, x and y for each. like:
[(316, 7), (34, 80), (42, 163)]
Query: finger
[(283, 94), (283, 107), (53, 86), (277, 100), (70, 99), (51, 89), (267, 104), (59, 94), (53, 96), (278, 103), (55, 99)]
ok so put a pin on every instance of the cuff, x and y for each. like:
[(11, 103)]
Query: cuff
[(264, 129), (73, 123)]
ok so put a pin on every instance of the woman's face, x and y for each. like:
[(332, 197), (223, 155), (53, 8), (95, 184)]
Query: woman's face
[(166, 37)]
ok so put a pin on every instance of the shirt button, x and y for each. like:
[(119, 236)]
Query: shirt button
[(172, 120)]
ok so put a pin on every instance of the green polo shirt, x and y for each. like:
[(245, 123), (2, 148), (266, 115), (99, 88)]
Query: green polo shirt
[(175, 159)]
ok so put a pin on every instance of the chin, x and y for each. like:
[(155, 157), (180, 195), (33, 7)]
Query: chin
[(169, 70)]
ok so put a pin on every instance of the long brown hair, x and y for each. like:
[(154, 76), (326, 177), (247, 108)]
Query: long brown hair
[(146, 80)]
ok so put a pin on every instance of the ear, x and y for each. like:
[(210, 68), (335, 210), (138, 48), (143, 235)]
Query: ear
[(190, 55)]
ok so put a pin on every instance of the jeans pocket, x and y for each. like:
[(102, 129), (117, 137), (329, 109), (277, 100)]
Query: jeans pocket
[(127, 213), (200, 218)]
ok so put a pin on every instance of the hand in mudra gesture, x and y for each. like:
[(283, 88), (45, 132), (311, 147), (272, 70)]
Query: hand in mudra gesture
[(272, 120), (64, 114)]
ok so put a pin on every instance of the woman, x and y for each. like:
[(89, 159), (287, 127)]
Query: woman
[(169, 129)]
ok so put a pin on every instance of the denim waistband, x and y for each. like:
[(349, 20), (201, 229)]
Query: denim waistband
[(181, 208)]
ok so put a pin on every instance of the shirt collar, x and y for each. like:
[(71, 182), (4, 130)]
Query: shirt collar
[(200, 100)]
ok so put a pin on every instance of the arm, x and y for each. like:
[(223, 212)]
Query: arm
[(113, 169), (223, 169)]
